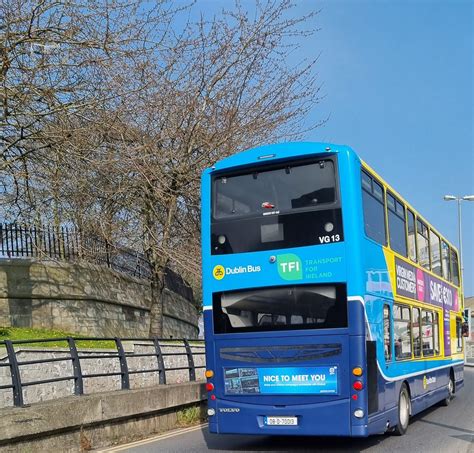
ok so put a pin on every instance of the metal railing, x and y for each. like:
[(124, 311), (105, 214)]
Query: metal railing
[(78, 356), (69, 244)]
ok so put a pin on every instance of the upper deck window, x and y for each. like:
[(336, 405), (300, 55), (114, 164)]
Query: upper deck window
[(435, 253), (282, 188), (374, 211), (411, 236), (422, 240), (454, 267), (396, 225), (445, 260)]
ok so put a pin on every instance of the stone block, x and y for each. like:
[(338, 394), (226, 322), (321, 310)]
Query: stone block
[(49, 416)]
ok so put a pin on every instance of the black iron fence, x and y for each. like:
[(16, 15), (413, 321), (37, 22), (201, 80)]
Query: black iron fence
[(20, 241), (160, 351), (69, 244)]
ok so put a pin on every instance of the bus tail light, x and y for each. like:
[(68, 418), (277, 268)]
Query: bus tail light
[(209, 387), (357, 371), (357, 385), (209, 373)]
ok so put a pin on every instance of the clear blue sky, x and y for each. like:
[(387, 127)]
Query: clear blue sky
[(398, 81), (398, 84)]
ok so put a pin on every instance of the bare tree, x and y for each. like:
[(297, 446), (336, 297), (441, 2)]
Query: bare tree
[(60, 60), (129, 147), (225, 86)]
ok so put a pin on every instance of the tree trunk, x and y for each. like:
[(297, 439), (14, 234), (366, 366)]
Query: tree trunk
[(157, 302), (158, 260)]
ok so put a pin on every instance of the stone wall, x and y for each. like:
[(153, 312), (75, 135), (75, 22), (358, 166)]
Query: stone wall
[(63, 368), (86, 299)]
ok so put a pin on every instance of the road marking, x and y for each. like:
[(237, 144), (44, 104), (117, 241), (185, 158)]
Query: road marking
[(149, 440)]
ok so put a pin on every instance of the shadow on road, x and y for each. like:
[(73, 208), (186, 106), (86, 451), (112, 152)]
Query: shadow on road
[(467, 437), (232, 442), (442, 425)]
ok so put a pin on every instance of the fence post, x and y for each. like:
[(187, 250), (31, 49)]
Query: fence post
[(123, 365), (15, 373), (76, 366), (161, 363), (6, 240), (192, 370)]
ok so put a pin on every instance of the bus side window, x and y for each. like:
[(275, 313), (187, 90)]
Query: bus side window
[(437, 350), (454, 267), (445, 260), (374, 210), (459, 334), (427, 332), (396, 225), (416, 332), (423, 244), (435, 253), (387, 333), (402, 331), (411, 235)]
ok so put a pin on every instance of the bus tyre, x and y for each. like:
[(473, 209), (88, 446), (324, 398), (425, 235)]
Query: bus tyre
[(403, 411), (447, 400)]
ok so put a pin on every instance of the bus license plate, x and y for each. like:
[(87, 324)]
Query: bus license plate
[(281, 421)]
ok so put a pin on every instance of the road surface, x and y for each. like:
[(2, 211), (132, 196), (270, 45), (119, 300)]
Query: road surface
[(438, 429)]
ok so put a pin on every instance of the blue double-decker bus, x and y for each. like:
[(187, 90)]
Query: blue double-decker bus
[(331, 306)]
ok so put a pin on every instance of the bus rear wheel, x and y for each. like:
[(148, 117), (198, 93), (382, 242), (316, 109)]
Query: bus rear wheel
[(404, 405), (447, 400)]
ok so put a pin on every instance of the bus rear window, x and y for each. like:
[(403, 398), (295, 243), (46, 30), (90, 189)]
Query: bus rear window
[(282, 189), (281, 308)]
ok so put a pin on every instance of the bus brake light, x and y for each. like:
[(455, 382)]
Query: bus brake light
[(209, 387), (357, 385)]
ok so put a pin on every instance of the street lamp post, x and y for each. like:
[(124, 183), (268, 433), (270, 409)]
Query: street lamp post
[(459, 200)]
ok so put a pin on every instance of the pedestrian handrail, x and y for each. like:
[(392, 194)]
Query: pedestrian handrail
[(160, 350)]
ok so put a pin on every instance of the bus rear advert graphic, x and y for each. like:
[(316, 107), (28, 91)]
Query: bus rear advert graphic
[(284, 380)]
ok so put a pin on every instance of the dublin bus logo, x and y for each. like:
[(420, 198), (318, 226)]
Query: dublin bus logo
[(218, 272)]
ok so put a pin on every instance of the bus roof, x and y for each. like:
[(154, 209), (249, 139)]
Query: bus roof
[(277, 151)]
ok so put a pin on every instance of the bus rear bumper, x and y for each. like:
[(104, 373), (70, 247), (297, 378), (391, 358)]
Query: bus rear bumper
[(321, 419)]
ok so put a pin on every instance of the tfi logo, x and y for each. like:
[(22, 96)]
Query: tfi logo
[(289, 267)]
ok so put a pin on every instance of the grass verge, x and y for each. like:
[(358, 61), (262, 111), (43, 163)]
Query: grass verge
[(25, 333)]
